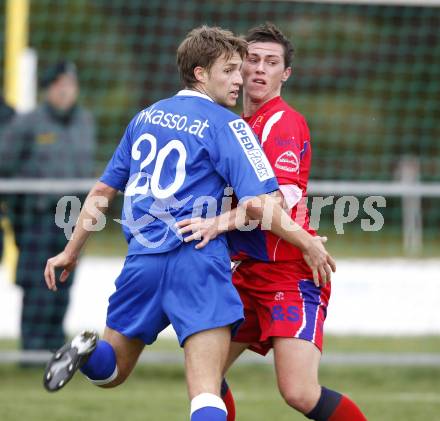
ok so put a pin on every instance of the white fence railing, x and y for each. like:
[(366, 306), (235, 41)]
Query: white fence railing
[(406, 187)]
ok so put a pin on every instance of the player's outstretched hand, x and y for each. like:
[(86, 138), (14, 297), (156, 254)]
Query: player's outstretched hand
[(62, 260), (321, 263), (200, 229)]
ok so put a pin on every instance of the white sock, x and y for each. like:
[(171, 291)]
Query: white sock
[(207, 399)]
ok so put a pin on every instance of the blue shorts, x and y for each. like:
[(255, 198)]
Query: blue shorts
[(191, 289)]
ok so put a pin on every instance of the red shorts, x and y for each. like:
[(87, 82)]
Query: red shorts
[(280, 300)]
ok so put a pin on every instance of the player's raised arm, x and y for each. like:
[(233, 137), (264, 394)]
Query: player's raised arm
[(206, 229), (265, 209), (95, 206)]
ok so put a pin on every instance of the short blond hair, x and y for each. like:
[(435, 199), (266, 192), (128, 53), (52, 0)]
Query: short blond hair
[(202, 47)]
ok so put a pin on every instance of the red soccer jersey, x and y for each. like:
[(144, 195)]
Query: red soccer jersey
[(285, 138)]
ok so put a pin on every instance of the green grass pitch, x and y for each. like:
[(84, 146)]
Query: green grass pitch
[(157, 392)]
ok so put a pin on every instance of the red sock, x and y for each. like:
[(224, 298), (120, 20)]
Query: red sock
[(332, 406), (347, 410), (228, 399)]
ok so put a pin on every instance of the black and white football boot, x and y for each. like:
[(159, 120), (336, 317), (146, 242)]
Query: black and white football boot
[(68, 359)]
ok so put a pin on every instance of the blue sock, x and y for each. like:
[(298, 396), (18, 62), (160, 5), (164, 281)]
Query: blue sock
[(208, 407), (209, 413), (326, 405), (101, 363)]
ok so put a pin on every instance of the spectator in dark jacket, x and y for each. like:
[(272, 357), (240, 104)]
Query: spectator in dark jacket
[(55, 141), (6, 114)]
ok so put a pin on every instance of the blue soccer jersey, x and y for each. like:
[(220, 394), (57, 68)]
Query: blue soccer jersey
[(174, 162)]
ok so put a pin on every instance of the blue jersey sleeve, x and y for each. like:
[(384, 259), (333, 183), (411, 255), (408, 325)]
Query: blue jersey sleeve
[(238, 157), (117, 171)]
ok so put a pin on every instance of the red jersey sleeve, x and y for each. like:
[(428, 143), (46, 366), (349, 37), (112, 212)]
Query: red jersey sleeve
[(305, 156), (286, 142)]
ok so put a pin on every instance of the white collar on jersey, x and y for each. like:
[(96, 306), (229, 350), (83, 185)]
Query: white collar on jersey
[(190, 92)]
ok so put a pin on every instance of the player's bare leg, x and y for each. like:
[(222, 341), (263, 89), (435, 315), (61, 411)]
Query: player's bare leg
[(235, 350), (205, 357), (127, 352), (296, 366)]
